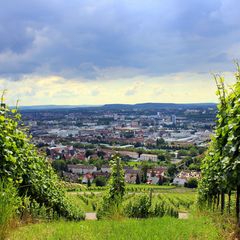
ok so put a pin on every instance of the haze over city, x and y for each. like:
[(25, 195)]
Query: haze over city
[(96, 52)]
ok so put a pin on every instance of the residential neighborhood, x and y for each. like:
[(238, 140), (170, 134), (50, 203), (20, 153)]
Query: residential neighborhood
[(156, 145)]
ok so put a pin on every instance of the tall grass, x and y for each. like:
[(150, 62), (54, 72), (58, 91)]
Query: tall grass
[(9, 203), (166, 228)]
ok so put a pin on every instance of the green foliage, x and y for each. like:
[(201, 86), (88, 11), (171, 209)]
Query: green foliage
[(30, 172), (143, 206), (161, 209), (160, 142), (100, 181), (191, 183), (221, 166), (89, 183), (138, 179), (9, 203), (161, 157), (59, 165), (172, 170), (138, 207), (116, 188)]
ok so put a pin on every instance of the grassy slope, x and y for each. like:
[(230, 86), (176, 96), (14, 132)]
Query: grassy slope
[(161, 229)]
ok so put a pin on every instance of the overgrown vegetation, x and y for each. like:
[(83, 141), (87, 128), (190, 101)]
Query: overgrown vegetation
[(166, 228), (29, 172), (9, 203), (221, 166)]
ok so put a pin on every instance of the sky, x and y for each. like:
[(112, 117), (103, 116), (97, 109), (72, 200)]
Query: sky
[(82, 52)]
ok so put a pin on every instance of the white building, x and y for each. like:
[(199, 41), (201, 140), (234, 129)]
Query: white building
[(106, 168), (81, 169), (184, 176), (179, 181), (129, 154), (147, 157)]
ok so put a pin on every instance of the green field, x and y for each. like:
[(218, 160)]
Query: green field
[(165, 228), (181, 199), (75, 187)]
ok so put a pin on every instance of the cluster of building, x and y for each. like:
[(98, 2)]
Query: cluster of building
[(70, 153), (122, 129), (184, 176), (143, 128), (132, 175)]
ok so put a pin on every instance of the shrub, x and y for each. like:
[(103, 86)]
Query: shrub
[(138, 207), (109, 209), (100, 181), (192, 183), (160, 209)]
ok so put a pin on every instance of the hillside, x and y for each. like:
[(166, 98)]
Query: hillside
[(142, 106)]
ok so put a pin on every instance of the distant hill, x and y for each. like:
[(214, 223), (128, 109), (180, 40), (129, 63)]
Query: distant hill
[(49, 107), (144, 106), (159, 106)]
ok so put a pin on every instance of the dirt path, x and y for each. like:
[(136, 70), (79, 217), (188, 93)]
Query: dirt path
[(91, 216), (183, 215)]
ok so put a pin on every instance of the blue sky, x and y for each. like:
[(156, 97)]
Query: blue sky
[(95, 52)]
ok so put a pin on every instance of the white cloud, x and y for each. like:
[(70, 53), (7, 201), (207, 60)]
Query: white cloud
[(182, 87)]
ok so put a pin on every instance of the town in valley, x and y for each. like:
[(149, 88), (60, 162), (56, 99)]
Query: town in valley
[(158, 143)]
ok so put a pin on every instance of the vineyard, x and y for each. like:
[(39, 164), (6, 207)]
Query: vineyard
[(220, 184), (31, 189), (169, 201)]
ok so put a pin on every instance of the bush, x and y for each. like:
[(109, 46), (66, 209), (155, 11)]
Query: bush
[(100, 181), (108, 209), (192, 183), (160, 209)]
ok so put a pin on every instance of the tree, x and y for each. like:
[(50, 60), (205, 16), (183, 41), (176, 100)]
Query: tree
[(182, 152), (138, 179), (101, 154), (172, 170), (161, 157), (193, 151), (115, 191), (160, 142), (100, 181), (89, 153), (144, 169), (89, 182), (59, 165), (116, 188), (191, 183)]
